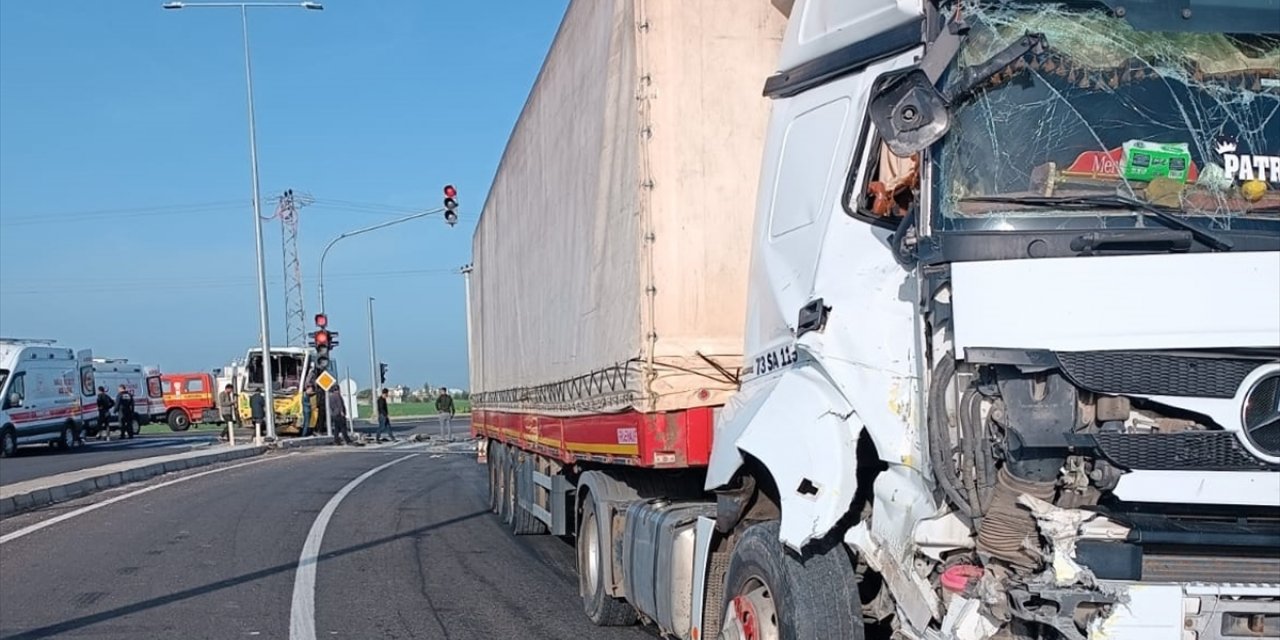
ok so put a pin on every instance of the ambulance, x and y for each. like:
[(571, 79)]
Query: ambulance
[(143, 381), (46, 394)]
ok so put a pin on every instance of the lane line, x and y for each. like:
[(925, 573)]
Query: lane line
[(302, 614), (30, 529)]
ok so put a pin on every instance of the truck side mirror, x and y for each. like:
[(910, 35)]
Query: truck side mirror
[(908, 111)]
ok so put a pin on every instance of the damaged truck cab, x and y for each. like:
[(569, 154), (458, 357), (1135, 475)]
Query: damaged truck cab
[(998, 356), (1013, 335)]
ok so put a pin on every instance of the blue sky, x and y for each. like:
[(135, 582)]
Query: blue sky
[(124, 175)]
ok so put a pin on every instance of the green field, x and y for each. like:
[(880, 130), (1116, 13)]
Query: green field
[(415, 408)]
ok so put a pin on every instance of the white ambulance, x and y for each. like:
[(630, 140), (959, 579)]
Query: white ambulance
[(46, 394), (143, 381)]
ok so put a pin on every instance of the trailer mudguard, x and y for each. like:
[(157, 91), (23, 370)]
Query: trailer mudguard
[(804, 432)]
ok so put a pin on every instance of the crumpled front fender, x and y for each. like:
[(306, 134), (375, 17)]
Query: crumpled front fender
[(805, 434)]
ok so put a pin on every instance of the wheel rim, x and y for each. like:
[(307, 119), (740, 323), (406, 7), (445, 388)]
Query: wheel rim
[(590, 554), (751, 615), (68, 437), (8, 443)]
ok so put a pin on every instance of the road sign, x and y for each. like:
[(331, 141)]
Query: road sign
[(326, 380)]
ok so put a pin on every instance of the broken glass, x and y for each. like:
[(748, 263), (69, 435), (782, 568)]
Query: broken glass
[(1189, 122)]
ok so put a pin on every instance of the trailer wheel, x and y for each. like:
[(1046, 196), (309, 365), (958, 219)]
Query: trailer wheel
[(770, 594), (508, 485), (523, 522), (178, 420), (8, 442), (603, 609), (494, 463)]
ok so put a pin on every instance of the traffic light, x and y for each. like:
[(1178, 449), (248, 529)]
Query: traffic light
[(382, 373), (450, 205), (322, 340)]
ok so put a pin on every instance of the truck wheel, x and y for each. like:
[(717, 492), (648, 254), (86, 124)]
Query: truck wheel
[(770, 594), (178, 420), (523, 522), (603, 609), (8, 442)]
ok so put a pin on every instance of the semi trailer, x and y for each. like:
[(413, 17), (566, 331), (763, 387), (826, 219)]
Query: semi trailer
[(894, 318)]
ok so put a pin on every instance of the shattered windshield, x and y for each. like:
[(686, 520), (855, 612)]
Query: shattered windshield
[(1189, 122), (286, 371)]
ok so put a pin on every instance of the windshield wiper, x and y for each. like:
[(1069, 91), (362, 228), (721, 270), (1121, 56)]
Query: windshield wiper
[(1206, 238)]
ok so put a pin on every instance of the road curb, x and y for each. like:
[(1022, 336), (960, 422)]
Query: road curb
[(23, 496), (298, 443)]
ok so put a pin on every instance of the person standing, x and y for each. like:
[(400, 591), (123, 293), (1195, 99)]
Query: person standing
[(257, 411), (227, 410), (384, 417), (124, 408), (105, 403), (444, 409), (308, 393), (338, 411)]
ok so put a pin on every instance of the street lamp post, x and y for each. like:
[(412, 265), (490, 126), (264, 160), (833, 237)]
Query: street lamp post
[(382, 225), (374, 384), (263, 317)]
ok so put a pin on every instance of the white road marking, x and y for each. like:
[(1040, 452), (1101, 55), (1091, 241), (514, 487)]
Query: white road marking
[(302, 616), (93, 507)]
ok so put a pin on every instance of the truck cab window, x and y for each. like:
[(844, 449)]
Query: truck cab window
[(195, 385), (892, 184)]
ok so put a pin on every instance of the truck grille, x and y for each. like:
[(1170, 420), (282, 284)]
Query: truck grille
[(1122, 372), (1188, 450)]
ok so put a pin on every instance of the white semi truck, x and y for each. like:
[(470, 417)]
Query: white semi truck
[(997, 355)]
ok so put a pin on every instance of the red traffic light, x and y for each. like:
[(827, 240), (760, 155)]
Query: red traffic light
[(450, 192), (322, 320), (322, 338)]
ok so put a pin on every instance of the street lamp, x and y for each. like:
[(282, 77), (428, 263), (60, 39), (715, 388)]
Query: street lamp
[(263, 318), (324, 254)]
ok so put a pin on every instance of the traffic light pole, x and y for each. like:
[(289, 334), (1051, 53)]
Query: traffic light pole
[(373, 368), (382, 225)]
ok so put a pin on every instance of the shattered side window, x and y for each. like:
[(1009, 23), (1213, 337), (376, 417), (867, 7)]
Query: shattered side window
[(1187, 121)]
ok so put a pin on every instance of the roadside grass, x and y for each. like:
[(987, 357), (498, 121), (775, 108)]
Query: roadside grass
[(403, 409)]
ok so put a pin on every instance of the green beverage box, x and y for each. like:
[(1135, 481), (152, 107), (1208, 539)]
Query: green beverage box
[(1146, 161)]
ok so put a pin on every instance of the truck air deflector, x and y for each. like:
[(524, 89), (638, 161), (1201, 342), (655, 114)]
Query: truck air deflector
[(844, 61)]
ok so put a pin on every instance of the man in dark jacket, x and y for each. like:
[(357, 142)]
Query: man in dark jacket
[(124, 407), (384, 417), (105, 403), (444, 410), (258, 411), (338, 411)]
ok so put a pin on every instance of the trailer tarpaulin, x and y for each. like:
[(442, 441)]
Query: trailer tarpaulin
[(610, 259)]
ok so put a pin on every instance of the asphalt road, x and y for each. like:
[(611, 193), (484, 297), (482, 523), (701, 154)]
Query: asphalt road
[(411, 552), (38, 461)]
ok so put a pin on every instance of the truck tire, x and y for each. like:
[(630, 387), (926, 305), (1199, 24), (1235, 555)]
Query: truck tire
[(523, 522), (508, 485), (178, 420), (771, 593), (494, 463), (601, 608), (8, 442)]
